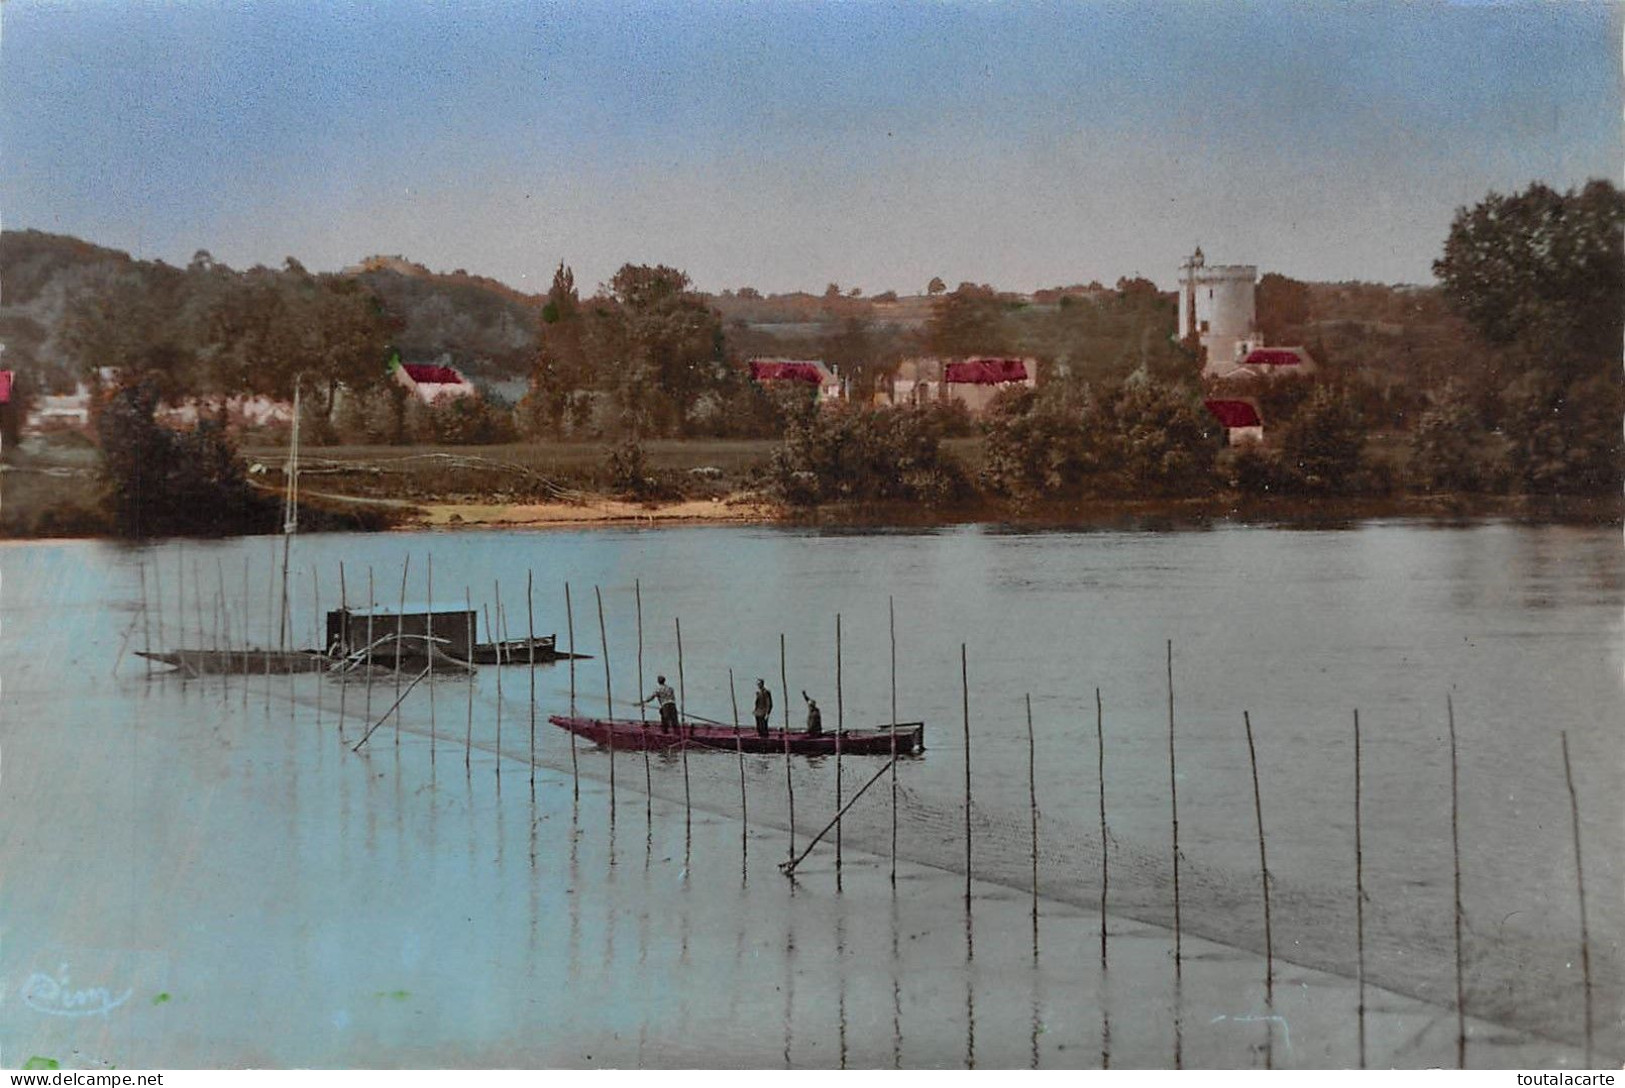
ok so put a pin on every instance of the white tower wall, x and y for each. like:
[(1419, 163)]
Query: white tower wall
[(1218, 305)]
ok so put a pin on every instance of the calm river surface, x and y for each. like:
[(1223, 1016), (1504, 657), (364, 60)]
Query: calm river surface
[(204, 873)]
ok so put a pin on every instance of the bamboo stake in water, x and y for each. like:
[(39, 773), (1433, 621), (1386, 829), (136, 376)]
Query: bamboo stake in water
[(648, 781), (492, 634), (1359, 891), (1580, 883), (789, 867), (682, 727), (247, 642), (891, 616), (609, 697), (1264, 882), (400, 646), (316, 606), (224, 623), (344, 645), (180, 599), (468, 729), (739, 749), (429, 630), (1173, 798), (839, 727), (789, 780), (146, 626), (530, 633), (1032, 804), (1100, 763), (158, 593), (1455, 853), (964, 691), (393, 707), (372, 615), (270, 609), (570, 627), (197, 602)]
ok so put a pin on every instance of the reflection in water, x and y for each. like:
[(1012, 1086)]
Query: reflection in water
[(840, 982), (789, 987), (574, 890), (1038, 1014), (1179, 1027), (1105, 1021), (896, 980), (970, 991)]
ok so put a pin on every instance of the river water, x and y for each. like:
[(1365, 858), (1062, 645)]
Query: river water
[(205, 873)]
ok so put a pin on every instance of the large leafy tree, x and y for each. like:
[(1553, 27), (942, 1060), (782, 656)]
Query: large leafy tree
[(1544, 270), (968, 321), (655, 345), (1541, 276)]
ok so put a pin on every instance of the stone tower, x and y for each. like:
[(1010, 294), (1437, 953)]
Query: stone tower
[(1217, 306)]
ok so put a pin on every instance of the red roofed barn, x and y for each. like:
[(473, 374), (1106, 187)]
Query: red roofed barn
[(785, 373)]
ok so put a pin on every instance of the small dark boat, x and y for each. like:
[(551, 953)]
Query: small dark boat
[(543, 649), (223, 662), (908, 738)]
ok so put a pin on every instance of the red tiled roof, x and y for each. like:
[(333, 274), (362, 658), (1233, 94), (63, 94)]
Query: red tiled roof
[(5, 387), (776, 370), (1273, 357), (1234, 413), (986, 372), (428, 374)]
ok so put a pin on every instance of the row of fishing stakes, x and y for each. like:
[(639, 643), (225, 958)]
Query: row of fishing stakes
[(222, 635)]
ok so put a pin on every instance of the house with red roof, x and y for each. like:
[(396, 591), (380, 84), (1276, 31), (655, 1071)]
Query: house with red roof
[(1274, 363), (1240, 418), (973, 382), (431, 382), (809, 374)]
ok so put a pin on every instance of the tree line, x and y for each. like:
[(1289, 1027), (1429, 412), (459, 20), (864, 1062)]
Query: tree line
[(1505, 377)]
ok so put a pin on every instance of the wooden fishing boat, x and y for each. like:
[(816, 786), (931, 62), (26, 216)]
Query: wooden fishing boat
[(237, 662), (908, 737), (543, 649)]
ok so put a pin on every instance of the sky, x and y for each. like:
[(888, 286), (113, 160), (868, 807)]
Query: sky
[(787, 145)]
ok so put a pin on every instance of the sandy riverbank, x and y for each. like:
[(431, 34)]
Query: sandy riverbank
[(592, 511)]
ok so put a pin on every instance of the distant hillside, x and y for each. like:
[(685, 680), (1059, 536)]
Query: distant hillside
[(485, 327), (481, 325), (40, 274)]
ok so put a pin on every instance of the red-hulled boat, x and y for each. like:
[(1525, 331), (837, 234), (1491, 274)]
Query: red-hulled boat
[(908, 737)]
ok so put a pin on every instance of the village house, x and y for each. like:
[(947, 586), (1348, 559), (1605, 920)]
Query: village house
[(431, 382), (973, 382), (1240, 419), (788, 373), (1275, 363)]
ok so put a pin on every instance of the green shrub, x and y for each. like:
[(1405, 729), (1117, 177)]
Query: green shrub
[(852, 454), (162, 482)]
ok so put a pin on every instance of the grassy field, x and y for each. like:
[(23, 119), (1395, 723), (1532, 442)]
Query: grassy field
[(516, 472)]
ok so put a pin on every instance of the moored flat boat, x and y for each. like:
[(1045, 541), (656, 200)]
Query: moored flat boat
[(623, 733), (543, 649), (221, 662)]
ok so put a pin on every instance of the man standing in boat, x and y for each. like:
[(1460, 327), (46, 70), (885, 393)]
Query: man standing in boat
[(764, 706), (815, 717), (668, 704)]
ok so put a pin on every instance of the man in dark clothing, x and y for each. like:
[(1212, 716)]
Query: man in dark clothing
[(668, 704), (815, 717), (764, 707)]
